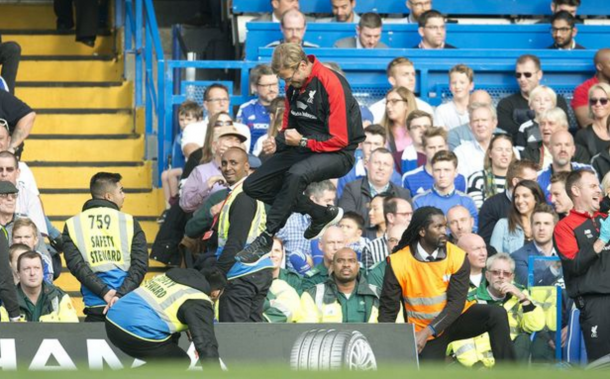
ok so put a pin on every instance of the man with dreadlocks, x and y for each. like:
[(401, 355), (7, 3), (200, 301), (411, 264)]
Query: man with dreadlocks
[(431, 276)]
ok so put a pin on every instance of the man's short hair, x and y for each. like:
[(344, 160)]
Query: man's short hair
[(529, 57), (432, 132), (475, 106), (206, 94), (370, 20), (191, 108), (560, 177), (390, 206), (574, 179), (397, 62), (424, 17), (418, 113), (557, 115), (572, 3), (502, 257), (379, 150), (376, 130), (15, 248), (515, 170), (287, 56), (355, 217), (462, 69), (259, 71), (28, 255), (545, 208), (565, 16), (445, 156), (8, 154), (24, 222), (317, 189), (101, 182)]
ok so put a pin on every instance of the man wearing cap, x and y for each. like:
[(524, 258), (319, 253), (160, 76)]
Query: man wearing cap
[(105, 249), (8, 292), (207, 178)]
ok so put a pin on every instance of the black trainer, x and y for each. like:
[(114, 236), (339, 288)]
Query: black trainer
[(257, 250), (317, 227)]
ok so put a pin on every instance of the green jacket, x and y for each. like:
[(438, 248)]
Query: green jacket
[(317, 275), (292, 278), (53, 305)]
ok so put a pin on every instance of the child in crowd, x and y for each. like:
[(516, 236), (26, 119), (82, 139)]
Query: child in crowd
[(188, 113), (455, 112), (414, 155), (542, 98), (352, 225)]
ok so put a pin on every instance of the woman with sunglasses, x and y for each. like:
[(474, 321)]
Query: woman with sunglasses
[(596, 136), (400, 102), (491, 180), (512, 232)]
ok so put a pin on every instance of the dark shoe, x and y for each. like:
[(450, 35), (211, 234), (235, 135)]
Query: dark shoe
[(317, 227), (163, 216), (89, 41), (58, 244), (257, 250)]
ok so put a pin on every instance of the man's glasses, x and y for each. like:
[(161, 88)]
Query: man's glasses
[(563, 30), (7, 169), (526, 74), (601, 100), (296, 69), (267, 86), (500, 273), (218, 100)]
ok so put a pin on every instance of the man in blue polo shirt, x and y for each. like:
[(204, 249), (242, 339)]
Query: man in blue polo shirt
[(443, 194), (420, 180)]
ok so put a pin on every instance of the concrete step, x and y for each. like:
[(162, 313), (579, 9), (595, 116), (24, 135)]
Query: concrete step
[(60, 44), (110, 96), (60, 176), (69, 70), (84, 150), (92, 123)]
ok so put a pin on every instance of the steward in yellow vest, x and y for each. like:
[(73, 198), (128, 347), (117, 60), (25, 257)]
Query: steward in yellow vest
[(146, 323), (105, 249), (430, 278)]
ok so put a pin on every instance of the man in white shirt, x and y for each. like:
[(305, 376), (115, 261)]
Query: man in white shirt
[(471, 154)]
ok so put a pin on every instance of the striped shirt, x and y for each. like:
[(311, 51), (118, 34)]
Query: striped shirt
[(375, 251), (476, 187)]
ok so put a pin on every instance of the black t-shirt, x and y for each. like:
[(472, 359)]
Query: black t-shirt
[(591, 141), (12, 109)]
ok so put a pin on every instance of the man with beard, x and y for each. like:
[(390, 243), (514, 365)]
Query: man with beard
[(344, 297), (430, 276)]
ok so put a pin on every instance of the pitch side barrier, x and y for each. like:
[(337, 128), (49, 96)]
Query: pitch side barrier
[(463, 36), (449, 7), (38, 346)]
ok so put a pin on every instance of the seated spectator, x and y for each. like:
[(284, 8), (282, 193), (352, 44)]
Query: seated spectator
[(282, 303), (414, 155), (368, 34), (542, 98), (400, 102), (39, 301), (207, 178), (415, 10), (322, 193), (492, 179), (359, 193), (557, 6), (254, 113), (375, 137), (563, 31), (512, 232), (546, 273), (562, 150), (401, 73), (433, 31), (497, 206), (559, 198), (476, 252), (343, 11), (331, 241), (396, 212), (524, 317), (512, 110), (215, 100), (352, 225), (580, 100), (293, 26), (25, 232), (18, 118), (596, 137), (443, 194), (14, 252), (376, 272), (471, 154), (279, 8), (454, 113), (376, 226), (346, 296), (276, 115), (10, 55), (539, 152), (460, 222), (420, 180)]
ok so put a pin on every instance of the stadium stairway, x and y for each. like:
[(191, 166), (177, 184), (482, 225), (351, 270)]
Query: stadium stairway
[(85, 122)]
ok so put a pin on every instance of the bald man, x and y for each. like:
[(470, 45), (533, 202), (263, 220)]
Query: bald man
[(293, 26), (331, 241), (460, 222), (476, 252), (581, 93), (279, 8), (562, 151)]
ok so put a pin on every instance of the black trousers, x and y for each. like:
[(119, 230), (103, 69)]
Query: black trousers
[(595, 324), (10, 55), (95, 314), (243, 298), (281, 181), (478, 319), (87, 16), (147, 351)]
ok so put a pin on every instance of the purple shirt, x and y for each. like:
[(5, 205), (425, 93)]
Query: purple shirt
[(195, 190)]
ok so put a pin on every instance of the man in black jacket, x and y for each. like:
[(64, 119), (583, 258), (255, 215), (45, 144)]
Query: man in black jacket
[(8, 293), (321, 130), (10, 55), (105, 249)]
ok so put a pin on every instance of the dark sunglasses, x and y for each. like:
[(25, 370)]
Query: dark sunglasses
[(526, 74), (223, 123), (601, 100)]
